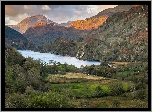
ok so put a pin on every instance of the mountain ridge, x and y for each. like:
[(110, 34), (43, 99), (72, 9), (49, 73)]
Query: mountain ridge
[(43, 33), (121, 38), (29, 21), (16, 39), (95, 21)]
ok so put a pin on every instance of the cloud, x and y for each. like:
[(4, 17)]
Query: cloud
[(77, 12), (45, 7), (56, 13), (26, 7), (13, 10), (103, 7), (22, 16), (92, 8), (9, 21)]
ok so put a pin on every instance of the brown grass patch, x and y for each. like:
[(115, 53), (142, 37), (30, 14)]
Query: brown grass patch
[(80, 75)]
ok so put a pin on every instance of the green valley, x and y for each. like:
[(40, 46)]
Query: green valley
[(116, 37)]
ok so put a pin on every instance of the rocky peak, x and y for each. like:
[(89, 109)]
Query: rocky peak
[(30, 21)]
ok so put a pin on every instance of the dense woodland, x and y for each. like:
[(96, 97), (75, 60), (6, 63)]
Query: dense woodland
[(120, 43)]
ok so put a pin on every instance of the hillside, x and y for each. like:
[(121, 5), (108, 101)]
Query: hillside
[(15, 39), (43, 33), (122, 37), (88, 24), (97, 20), (111, 11), (59, 46), (29, 21)]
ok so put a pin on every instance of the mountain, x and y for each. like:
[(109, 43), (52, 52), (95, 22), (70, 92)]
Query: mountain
[(111, 11), (29, 21), (122, 37), (43, 33), (16, 39), (88, 24), (64, 47), (66, 24), (95, 21)]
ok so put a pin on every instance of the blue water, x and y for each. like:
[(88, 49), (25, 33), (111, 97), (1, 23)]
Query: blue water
[(45, 57)]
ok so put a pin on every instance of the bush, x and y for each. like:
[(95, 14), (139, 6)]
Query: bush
[(50, 100), (17, 101), (102, 105), (116, 104), (98, 92), (142, 94), (141, 85), (116, 89)]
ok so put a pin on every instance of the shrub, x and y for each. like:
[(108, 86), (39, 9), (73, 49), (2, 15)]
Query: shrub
[(140, 85), (17, 101), (98, 92), (116, 89), (50, 100), (102, 105), (142, 94), (116, 104)]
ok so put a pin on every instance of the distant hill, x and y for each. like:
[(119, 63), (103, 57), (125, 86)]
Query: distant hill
[(66, 24), (111, 11), (29, 21), (16, 39), (43, 33), (95, 21), (64, 47)]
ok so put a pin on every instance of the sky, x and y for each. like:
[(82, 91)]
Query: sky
[(57, 13)]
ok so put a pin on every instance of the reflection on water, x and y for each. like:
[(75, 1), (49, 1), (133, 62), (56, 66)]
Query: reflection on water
[(45, 57)]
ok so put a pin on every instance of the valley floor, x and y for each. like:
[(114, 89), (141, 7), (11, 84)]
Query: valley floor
[(84, 92)]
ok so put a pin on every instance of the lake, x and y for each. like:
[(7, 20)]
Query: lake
[(45, 57)]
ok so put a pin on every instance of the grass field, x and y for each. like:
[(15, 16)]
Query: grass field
[(81, 88), (110, 102)]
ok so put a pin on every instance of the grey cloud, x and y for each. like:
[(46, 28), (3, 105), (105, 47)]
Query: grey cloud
[(58, 13), (13, 10)]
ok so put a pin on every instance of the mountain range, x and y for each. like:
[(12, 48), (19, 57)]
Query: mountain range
[(114, 34), (95, 21), (43, 33), (87, 24)]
